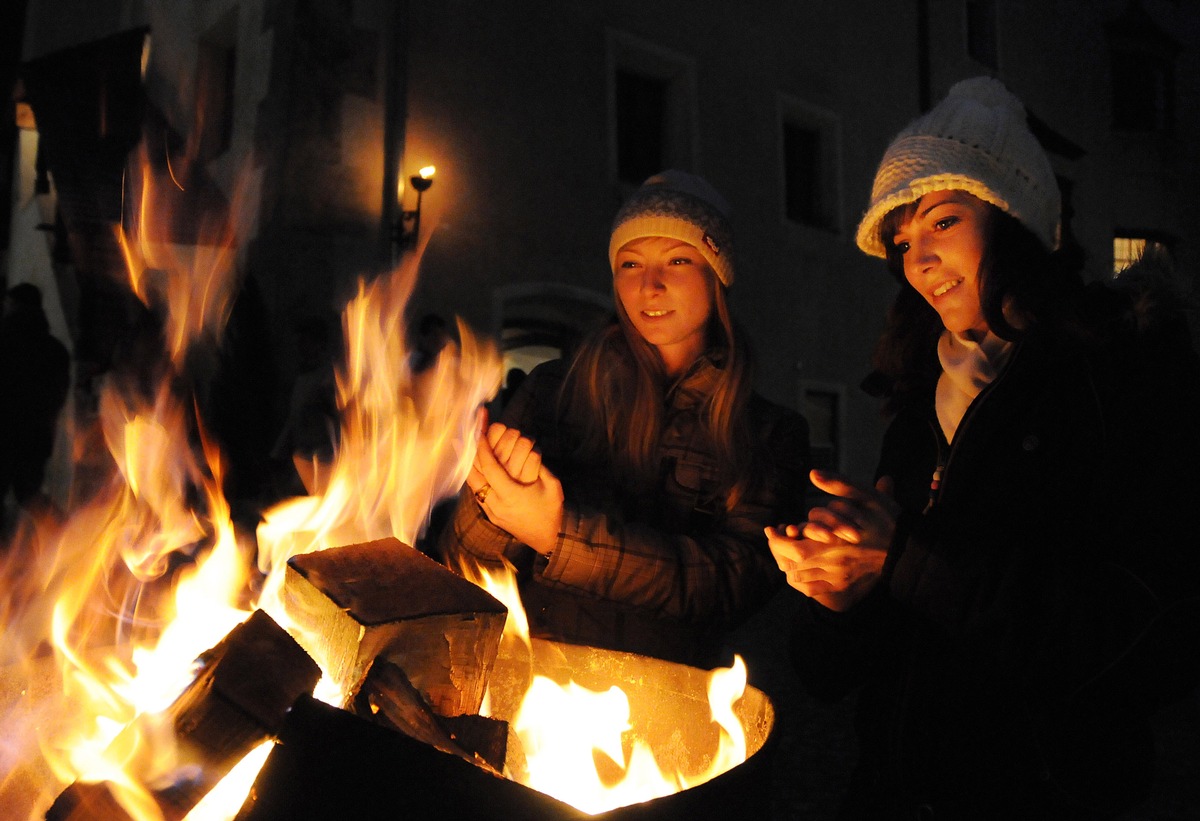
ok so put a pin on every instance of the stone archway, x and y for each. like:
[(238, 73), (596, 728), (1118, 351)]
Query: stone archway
[(539, 321)]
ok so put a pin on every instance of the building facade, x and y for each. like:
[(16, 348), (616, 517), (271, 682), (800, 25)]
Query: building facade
[(541, 116)]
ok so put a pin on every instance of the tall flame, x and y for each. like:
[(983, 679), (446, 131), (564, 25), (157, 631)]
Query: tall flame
[(133, 582), (407, 438), (110, 603)]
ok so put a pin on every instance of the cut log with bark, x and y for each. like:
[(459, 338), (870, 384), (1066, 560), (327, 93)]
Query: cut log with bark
[(239, 699), (383, 599)]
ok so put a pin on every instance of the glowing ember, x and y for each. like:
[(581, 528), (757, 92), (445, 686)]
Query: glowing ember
[(224, 800)]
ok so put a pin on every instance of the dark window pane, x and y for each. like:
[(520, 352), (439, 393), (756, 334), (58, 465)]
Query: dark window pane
[(821, 411), (981, 32), (802, 174), (1141, 92), (641, 123)]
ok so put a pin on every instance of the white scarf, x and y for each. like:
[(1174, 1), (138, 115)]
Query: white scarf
[(967, 368)]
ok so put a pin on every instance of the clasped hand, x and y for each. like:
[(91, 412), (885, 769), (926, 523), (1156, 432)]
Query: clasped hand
[(837, 556), (515, 490)]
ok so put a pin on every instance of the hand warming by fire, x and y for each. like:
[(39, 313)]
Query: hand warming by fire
[(630, 484), (517, 492), (153, 652)]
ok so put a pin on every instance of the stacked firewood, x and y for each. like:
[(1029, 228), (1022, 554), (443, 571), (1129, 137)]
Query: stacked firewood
[(410, 644)]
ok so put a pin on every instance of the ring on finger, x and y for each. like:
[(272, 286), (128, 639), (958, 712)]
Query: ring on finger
[(482, 494)]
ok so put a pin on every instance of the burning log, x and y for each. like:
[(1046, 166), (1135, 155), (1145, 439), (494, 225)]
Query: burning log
[(385, 600), (333, 764), (330, 763), (246, 685), (388, 698), (484, 736)]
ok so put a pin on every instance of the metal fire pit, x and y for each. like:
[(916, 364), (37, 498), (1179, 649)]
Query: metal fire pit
[(331, 764)]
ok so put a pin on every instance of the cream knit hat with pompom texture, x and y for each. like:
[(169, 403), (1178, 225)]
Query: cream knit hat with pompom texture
[(976, 140)]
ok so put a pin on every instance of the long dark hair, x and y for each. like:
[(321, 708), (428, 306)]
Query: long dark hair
[(1022, 284), (615, 391)]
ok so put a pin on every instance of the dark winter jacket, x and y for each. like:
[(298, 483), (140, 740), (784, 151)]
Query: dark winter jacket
[(663, 573), (1043, 600)]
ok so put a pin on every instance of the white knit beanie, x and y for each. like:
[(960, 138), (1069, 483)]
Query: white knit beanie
[(680, 206), (976, 140)]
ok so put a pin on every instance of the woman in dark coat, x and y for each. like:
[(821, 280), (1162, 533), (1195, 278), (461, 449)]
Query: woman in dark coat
[(637, 522), (1019, 590)]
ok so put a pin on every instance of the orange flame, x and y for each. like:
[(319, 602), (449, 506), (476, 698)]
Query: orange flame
[(575, 739), (95, 589), (407, 439), (110, 604)]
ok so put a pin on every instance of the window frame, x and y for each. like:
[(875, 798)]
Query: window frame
[(633, 55), (991, 9), (804, 388), (791, 110), (1156, 243)]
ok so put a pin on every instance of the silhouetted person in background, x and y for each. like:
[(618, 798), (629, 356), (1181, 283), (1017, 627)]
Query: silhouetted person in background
[(432, 334), (310, 431), (34, 377), (512, 381)]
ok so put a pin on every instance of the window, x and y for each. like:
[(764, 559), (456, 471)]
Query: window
[(821, 405), (802, 173), (1143, 92), (652, 111), (981, 32), (1130, 247), (1142, 61), (810, 152), (1126, 251), (641, 125)]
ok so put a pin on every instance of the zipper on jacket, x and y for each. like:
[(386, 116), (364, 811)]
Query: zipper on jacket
[(935, 482), (938, 480)]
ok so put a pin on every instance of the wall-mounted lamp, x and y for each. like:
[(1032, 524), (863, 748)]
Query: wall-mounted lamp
[(408, 227)]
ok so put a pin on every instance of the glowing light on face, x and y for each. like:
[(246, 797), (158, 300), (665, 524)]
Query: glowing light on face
[(666, 289), (943, 244)]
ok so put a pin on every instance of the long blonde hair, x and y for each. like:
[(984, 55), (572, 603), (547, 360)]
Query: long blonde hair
[(615, 392)]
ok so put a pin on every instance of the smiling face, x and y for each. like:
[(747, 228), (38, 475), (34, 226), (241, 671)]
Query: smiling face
[(943, 243), (666, 289)]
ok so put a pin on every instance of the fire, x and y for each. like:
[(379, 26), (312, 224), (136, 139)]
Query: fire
[(139, 578), (578, 744), (110, 604), (114, 601), (407, 439), (224, 800)]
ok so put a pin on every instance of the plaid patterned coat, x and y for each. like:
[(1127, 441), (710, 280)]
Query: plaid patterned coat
[(663, 573)]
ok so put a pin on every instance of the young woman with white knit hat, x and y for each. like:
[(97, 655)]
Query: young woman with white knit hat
[(630, 486), (1018, 591)]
